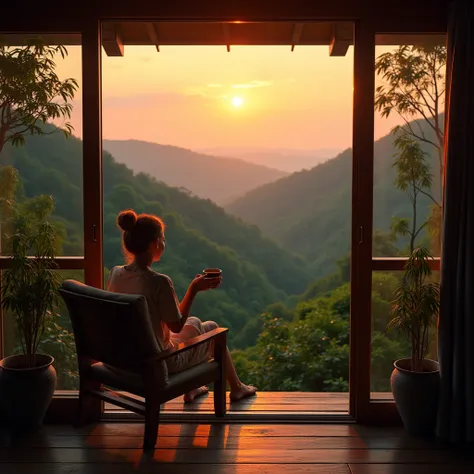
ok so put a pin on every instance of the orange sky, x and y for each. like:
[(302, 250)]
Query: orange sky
[(183, 96)]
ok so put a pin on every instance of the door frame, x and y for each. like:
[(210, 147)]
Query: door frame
[(361, 237), (363, 264), (367, 24)]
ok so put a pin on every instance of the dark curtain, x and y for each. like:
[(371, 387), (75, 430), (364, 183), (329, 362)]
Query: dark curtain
[(456, 318)]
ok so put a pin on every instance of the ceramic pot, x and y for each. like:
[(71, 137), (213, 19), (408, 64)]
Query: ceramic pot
[(26, 393), (416, 395)]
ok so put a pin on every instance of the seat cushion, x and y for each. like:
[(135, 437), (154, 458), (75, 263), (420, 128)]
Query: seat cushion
[(133, 383)]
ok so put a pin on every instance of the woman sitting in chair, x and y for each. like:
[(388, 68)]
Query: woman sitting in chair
[(143, 242)]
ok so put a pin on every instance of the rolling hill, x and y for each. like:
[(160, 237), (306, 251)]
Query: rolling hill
[(310, 211), (207, 176)]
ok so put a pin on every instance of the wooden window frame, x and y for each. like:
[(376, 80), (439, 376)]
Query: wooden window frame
[(361, 239), (424, 17), (63, 406)]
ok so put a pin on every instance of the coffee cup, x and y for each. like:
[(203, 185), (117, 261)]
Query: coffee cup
[(212, 272)]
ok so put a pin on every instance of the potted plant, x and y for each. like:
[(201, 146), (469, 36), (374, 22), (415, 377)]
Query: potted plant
[(29, 292), (415, 380)]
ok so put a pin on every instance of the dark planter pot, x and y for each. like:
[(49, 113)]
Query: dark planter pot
[(25, 393), (416, 395)]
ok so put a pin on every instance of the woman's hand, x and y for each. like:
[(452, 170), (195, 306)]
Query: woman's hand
[(203, 283)]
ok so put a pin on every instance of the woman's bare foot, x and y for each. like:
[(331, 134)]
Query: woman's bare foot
[(243, 391), (190, 396)]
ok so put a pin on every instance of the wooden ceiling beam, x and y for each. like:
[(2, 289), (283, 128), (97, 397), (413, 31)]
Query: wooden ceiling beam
[(111, 40), (296, 35), (152, 29), (226, 33), (426, 16), (341, 39)]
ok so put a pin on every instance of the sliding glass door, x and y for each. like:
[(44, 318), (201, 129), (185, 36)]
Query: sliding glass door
[(398, 205), (285, 268)]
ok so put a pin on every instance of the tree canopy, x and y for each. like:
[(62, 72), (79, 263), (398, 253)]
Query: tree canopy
[(31, 92)]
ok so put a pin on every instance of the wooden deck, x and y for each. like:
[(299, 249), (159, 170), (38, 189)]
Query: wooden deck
[(115, 448), (265, 403)]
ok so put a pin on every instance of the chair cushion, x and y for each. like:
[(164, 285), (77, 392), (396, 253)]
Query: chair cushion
[(133, 383)]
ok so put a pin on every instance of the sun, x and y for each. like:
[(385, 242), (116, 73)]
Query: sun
[(237, 101)]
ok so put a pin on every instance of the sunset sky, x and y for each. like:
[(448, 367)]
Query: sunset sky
[(185, 96)]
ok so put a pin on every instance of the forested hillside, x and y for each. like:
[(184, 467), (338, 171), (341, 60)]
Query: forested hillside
[(310, 211), (207, 176), (288, 315), (257, 271)]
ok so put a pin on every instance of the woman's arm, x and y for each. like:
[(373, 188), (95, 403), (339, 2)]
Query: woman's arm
[(186, 303), (200, 283), (184, 309)]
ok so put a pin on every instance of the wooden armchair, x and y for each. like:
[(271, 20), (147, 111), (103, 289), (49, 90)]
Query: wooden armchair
[(116, 348)]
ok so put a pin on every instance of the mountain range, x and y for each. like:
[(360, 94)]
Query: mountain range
[(289, 160), (204, 175), (309, 212), (272, 243)]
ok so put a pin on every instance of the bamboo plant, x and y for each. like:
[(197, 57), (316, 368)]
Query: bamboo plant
[(30, 285), (415, 308)]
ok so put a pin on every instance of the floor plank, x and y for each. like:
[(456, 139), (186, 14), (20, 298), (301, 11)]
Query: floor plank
[(72, 468), (452, 468), (108, 448), (209, 407), (337, 402), (206, 430), (227, 456), (227, 440)]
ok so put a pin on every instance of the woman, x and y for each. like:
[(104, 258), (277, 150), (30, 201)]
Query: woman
[(143, 243)]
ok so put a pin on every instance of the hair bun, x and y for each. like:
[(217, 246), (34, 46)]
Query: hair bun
[(126, 220)]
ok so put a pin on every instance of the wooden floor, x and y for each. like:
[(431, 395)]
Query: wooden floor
[(266, 402), (109, 448)]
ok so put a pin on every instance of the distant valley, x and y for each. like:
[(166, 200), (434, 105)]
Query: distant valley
[(289, 160), (220, 179)]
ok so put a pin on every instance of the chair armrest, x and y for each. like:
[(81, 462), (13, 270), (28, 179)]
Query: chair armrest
[(194, 342)]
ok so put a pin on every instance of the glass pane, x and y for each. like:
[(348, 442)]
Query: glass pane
[(246, 156), (390, 345), (57, 340), (42, 142), (409, 133)]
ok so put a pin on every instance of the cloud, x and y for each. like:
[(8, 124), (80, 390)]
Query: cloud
[(252, 85)]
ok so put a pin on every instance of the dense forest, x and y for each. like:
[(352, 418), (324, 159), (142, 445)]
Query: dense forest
[(285, 296)]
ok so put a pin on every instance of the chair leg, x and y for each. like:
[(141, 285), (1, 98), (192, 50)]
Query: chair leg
[(152, 422), (220, 352), (89, 407), (219, 397), (80, 415)]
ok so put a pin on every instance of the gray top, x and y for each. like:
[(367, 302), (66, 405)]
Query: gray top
[(158, 289)]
